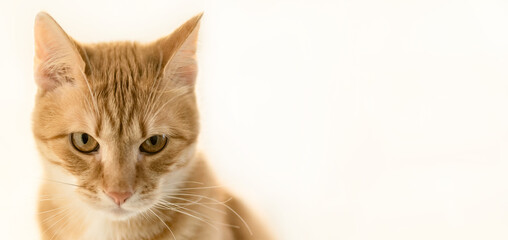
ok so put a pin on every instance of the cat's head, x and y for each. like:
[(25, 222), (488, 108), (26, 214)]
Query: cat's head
[(118, 120)]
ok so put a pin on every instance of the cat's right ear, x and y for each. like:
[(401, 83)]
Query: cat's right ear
[(179, 53), (57, 59)]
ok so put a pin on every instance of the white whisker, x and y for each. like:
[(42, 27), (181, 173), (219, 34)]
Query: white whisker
[(186, 213), (228, 207), (64, 226), (66, 214), (52, 210), (61, 211), (56, 181), (163, 223), (190, 202)]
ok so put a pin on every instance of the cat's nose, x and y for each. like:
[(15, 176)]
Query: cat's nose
[(119, 197)]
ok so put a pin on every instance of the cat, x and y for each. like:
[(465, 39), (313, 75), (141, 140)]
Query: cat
[(116, 125)]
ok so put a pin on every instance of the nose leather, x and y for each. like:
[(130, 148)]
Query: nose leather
[(119, 197)]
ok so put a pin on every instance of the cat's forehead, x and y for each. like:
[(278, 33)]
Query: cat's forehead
[(122, 78), (123, 62)]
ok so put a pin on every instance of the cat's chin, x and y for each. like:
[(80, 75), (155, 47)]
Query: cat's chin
[(119, 214)]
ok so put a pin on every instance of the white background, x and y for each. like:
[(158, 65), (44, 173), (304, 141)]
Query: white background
[(335, 120)]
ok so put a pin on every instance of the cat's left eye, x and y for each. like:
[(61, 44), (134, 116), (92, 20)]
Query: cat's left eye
[(84, 142), (153, 144)]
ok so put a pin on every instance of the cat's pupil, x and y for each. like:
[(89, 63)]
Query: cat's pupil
[(84, 138), (153, 140)]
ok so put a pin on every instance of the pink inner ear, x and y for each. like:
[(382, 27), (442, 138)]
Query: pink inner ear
[(43, 76), (187, 74), (44, 79), (47, 76), (55, 57)]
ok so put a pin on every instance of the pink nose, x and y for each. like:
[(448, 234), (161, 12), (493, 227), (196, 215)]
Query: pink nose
[(119, 197)]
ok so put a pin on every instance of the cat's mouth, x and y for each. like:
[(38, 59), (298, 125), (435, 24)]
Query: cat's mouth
[(120, 213)]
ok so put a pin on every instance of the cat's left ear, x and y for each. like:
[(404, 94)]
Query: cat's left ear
[(179, 53), (57, 59)]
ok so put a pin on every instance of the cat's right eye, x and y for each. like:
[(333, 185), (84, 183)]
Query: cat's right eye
[(153, 144), (84, 142)]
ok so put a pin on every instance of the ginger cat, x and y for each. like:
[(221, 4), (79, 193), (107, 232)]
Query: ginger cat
[(116, 125)]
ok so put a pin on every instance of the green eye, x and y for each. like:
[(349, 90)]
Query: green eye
[(153, 144), (84, 142)]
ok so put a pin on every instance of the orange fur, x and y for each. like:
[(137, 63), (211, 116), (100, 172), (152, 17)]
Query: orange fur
[(120, 94)]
